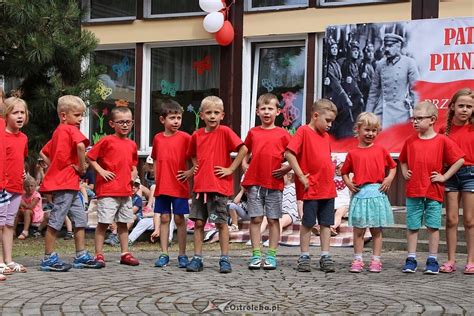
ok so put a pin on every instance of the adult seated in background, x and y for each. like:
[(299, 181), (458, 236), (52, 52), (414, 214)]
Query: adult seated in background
[(31, 207)]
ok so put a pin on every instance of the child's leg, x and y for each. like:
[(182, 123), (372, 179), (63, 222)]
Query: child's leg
[(305, 237), (412, 241), (68, 224), (285, 221), (233, 217), (9, 229), (164, 231), (198, 236), (307, 222), (100, 237), (325, 235), (358, 235), (376, 240), (273, 232), (255, 232), (27, 216), (452, 220), (433, 240), (122, 231), (468, 221), (223, 238), (80, 239), (338, 215), (1, 244), (180, 222), (143, 225)]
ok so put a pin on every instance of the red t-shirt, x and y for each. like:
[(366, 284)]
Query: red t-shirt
[(463, 136), (313, 153), (368, 164), (62, 151), (213, 149), (169, 154), (424, 156), (267, 147), (118, 155), (16, 148), (2, 154)]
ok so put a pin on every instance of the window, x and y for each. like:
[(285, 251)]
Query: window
[(165, 8), (332, 3), (116, 88), (254, 5), (106, 10), (279, 68), (183, 74)]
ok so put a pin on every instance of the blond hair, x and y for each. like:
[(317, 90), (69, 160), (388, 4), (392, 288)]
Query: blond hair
[(266, 99), (120, 109), (68, 103), (211, 100), (28, 181), (368, 119), (428, 107), (323, 105), (449, 117), (10, 105)]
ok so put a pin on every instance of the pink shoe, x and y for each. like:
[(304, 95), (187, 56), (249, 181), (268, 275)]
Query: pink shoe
[(375, 266), (357, 266), (209, 226), (190, 225)]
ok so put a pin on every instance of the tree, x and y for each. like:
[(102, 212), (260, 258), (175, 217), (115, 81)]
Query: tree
[(43, 45)]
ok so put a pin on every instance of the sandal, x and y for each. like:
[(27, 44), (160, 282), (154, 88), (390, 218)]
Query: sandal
[(2, 277), (469, 268), (23, 236), (16, 267), (448, 267), (5, 270)]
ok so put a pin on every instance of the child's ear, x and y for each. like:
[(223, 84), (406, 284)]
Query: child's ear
[(162, 120), (62, 116), (315, 115), (111, 124)]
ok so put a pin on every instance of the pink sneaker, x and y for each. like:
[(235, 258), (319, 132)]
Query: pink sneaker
[(357, 266), (375, 266)]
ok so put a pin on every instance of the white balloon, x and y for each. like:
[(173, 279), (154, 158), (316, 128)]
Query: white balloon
[(213, 22), (211, 5)]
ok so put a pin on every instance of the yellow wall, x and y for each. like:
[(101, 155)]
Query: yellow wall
[(456, 8)]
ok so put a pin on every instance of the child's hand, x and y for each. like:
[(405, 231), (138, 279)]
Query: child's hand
[(245, 166), (407, 174), (107, 175), (437, 177), (222, 172), (385, 186), (304, 180), (184, 175), (352, 187), (196, 167), (155, 235), (80, 171), (280, 172)]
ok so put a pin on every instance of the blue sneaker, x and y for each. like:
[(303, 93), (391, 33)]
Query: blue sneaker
[(162, 261), (86, 261), (224, 265), (195, 265), (54, 264), (112, 240), (270, 263), (183, 261), (432, 266), (410, 265)]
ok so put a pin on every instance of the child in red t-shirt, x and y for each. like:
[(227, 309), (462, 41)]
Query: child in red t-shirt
[(171, 180), (210, 150), (369, 205), (16, 147), (423, 157), (2, 150), (65, 155), (264, 179), (115, 158), (309, 154), (460, 128)]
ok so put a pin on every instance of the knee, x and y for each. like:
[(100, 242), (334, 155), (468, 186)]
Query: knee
[(452, 221), (179, 220), (273, 222), (468, 223), (164, 219), (257, 220), (198, 225)]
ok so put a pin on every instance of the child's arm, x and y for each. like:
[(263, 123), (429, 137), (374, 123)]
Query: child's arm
[(245, 162), (405, 171), (31, 205), (81, 156), (134, 172), (280, 172), (195, 164), (107, 175), (156, 225), (239, 195), (350, 185), (387, 182), (184, 175), (45, 158), (291, 158), (224, 172), (438, 177)]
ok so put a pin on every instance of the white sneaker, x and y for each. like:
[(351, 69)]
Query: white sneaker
[(266, 243)]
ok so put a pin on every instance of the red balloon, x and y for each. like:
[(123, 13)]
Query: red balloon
[(225, 35)]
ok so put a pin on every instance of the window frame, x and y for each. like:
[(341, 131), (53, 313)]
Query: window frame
[(325, 4), (148, 15), (86, 5), (248, 7)]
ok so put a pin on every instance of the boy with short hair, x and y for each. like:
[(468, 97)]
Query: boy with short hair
[(65, 155), (264, 179), (309, 154), (171, 180), (210, 150), (422, 158), (115, 158)]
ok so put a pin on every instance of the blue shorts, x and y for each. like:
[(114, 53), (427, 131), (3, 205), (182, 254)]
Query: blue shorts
[(164, 204), (461, 181), (423, 208), (322, 210)]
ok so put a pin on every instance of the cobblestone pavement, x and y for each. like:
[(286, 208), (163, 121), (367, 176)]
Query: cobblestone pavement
[(145, 290)]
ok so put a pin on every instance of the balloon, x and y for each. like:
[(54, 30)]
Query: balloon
[(213, 22), (211, 5), (225, 35)]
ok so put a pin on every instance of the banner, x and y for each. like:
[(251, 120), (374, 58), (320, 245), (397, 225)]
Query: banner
[(386, 68)]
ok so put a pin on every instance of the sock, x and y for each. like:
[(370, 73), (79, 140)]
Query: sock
[(47, 256), (225, 257), (324, 253), (304, 254), (433, 255), (256, 252), (272, 252), (198, 256), (376, 258), (165, 253), (124, 253), (412, 255), (80, 253), (357, 256)]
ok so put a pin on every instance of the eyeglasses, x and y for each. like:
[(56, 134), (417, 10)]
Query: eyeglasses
[(124, 123), (420, 118)]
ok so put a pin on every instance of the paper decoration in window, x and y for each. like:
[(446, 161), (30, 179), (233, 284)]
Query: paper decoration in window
[(102, 90), (203, 65), (121, 102), (169, 88), (270, 84), (289, 111), (121, 68), (197, 117), (101, 116)]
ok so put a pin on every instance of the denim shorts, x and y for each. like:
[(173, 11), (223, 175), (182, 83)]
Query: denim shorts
[(461, 181), (322, 210), (264, 202), (425, 210), (164, 204), (69, 203)]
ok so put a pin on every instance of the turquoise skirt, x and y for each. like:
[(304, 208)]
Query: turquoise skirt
[(370, 208)]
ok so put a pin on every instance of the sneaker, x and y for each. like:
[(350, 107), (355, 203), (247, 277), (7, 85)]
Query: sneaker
[(375, 266), (255, 263), (182, 261), (304, 264), (432, 266), (86, 261), (130, 243), (100, 259), (410, 265), (233, 228), (326, 264), (69, 236), (54, 264), (357, 266), (112, 240), (195, 265), (270, 263), (129, 260), (266, 243), (162, 261), (224, 265)]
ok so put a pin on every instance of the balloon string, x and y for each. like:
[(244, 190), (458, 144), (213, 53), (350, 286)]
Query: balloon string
[(226, 10)]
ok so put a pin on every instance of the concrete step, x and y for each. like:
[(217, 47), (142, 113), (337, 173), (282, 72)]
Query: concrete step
[(398, 231), (400, 244), (399, 216)]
